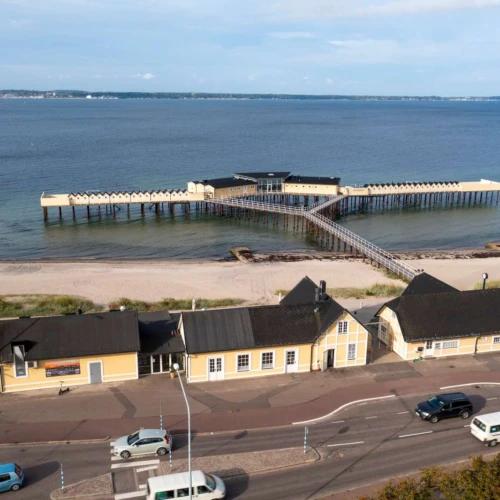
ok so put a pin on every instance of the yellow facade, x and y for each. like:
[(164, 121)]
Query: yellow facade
[(390, 333), (312, 356), (114, 368), (310, 189), (232, 192)]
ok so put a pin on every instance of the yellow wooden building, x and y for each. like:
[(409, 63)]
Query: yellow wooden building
[(320, 186), (40, 353), (307, 331), (433, 319)]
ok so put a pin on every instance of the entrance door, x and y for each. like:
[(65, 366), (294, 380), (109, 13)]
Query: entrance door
[(429, 348), (95, 372), (215, 369), (291, 361), (331, 358), (269, 186)]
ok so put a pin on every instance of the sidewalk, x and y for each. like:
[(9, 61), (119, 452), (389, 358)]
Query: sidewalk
[(111, 410)]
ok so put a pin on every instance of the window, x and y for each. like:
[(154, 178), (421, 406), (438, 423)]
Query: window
[(437, 345), (496, 340), (450, 344), (342, 327), (243, 362), (203, 489), (20, 365), (183, 492), (351, 351), (383, 332), (267, 360), (495, 428), (4, 478)]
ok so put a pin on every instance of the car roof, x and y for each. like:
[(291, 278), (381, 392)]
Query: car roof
[(490, 418), (7, 468), (149, 433), (176, 481), (452, 396)]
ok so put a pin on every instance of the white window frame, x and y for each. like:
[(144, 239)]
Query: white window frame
[(249, 362), (262, 360), (343, 325), (383, 332), (454, 346), (496, 340), (355, 352), (26, 367)]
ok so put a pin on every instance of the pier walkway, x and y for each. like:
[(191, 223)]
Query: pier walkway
[(313, 215)]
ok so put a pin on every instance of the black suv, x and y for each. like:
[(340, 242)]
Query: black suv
[(455, 404)]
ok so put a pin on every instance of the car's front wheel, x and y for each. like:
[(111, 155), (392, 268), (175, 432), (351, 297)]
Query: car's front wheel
[(433, 419), (465, 414), (161, 451), (493, 443), (125, 454), (15, 487)]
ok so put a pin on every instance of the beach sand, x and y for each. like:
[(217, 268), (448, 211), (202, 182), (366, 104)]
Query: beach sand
[(255, 283)]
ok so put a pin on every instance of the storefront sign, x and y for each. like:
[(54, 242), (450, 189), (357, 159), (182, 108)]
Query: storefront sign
[(62, 368)]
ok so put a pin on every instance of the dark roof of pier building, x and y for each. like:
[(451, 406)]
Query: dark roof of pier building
[(449, 315), (264, 175), (226, 182), (327, 181)]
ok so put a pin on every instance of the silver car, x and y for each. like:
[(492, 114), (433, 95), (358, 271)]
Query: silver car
[(143, 442)]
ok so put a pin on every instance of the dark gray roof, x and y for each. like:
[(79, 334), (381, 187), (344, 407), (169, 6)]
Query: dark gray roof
[(449, 315), (264, 175), (71, 336), (302, 293), (327, 181), (158, 333), (217, 330), (226, 182), (421, 284)]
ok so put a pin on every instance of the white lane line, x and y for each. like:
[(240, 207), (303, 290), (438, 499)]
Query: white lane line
[(114, 459), (111, 451), (468, 425), (338, 421), (344, 444), (366, 418), (149, 467), (133, 494), (142, 486), (112, 443), (416, 434), (135, 464), (490, 399), (401, 412)]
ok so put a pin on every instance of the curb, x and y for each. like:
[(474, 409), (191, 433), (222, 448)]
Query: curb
[(343, 407), (468, 385), (71, 441)]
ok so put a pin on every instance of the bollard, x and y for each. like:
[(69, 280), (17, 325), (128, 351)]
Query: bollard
[(62, 477), (170, 453), (161, 418), (306, 431)]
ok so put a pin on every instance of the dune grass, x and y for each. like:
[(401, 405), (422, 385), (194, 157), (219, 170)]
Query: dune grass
[(376, 290), (12, 306), (489, 284), (173, 304)]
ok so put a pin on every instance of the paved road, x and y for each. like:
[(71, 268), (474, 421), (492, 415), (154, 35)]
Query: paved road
[(363, 445)]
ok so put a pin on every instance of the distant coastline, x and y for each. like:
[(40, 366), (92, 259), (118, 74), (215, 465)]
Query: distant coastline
[(83, 94)]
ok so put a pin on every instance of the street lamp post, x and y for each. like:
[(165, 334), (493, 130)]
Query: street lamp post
[(485, 277), (176, 368)]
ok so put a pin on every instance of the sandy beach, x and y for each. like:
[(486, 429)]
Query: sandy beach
[(255, 283)]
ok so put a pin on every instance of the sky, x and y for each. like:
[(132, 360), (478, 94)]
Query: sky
[(376, 47)]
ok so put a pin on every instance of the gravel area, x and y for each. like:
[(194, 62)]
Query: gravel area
[(244, 463), (100, 485)]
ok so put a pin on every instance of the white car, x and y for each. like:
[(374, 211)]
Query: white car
[(143, 442)]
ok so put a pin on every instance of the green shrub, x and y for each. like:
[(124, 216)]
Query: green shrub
[(489, 285)]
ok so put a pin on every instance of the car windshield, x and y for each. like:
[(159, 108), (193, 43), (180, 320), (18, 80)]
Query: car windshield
[(435, 402), (479, 424), (210, 482), (133, 438)]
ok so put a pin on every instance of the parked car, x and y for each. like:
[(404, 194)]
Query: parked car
[(11, 477), (454, 404), (143, 442)]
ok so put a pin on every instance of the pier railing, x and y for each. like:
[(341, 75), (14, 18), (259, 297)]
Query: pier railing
[(324, 204), (365, 247)]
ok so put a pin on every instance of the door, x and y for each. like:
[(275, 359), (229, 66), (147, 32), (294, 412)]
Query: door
[(5, 482), (429, 348), (144, 446), (291, 361), (95, 372), (215, 369), (331, 358)]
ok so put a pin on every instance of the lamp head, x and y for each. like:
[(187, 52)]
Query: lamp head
[(485, 276), (176, 366)]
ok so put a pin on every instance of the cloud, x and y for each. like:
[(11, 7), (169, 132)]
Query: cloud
[(334, 9), (97, 76), (20, 23), (251, 78), (144, 76), (329, 81), (305, 78), (291, 35)]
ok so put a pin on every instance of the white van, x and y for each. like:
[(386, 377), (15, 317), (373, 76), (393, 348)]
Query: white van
[(205, 486), (486, 428)]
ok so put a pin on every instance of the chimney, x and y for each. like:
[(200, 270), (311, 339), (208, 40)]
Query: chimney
[(316, 295), (322, 286)]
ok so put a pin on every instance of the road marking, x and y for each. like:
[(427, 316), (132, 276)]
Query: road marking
[(344, 444), (149, 467), (370, 417), (338, 421), (114, 459), (112, 443), (490, 399), (471, 383), (401, 412), (133, 494), (468, 425), (416, 434), (142, 486), (136, 464)]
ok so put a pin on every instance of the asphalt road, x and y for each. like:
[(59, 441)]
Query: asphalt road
[(363, 444)]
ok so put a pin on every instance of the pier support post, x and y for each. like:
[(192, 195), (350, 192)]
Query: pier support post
[(88, 212), (60, 213), (74, 215), (45, 213), (142, 208), (157, 208)]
